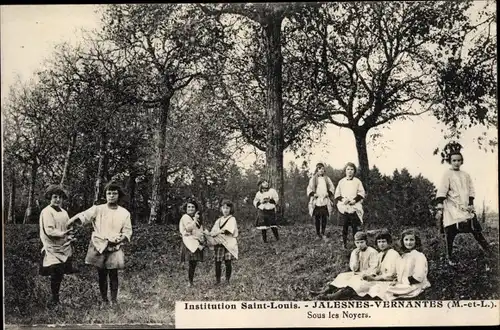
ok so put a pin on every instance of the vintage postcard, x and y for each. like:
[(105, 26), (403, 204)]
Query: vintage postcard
[(250, 165)]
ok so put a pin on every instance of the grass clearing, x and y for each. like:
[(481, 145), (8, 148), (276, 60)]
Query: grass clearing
[(155, 278)]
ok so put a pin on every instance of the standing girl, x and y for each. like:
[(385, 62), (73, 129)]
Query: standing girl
[(112, 228), (265, 201), (320, 191), (224, 233), (412, 271), (191, 230), (455, 202), (56, 239), (349, 195)]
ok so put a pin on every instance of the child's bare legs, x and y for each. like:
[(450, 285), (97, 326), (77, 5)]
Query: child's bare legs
[(264, 235)]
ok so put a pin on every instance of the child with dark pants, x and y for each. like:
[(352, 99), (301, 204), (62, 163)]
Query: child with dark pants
[(104, 274), (349, 220), (349, 196), (56, 236), (455, 203), (112, 229)]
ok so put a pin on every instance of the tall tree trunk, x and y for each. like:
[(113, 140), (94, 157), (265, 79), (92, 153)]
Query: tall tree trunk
[(11, 216), (101, 167), (67, 161), (364, 169), (275, 138), (161, 132), (31, 194), (85, 191), (131, 193)]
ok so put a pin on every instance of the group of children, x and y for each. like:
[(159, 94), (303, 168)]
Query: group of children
[(385, 274), (111, 229), (221, 239)]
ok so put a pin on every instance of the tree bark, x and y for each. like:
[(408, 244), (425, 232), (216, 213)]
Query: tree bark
[(101, 167), (11, 216), (31, 194), (67, 161), (161, 132), (275, 138), (85, 190), (360, 136), (131, 192)]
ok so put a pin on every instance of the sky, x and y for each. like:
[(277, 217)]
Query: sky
[(29, 34)]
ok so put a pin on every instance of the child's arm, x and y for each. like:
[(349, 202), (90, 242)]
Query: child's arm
[(126, 233), (472, 192), (49, 226), (256, 200), (372, 264), (442, 191), (360, 193), (84, 217), (420, 270), (310, 190), (338, 192), (230, 226), (331, 192), (354, 261), (185, 225), (274, 197)]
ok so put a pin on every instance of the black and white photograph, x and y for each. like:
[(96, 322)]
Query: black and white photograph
[(208, 165)]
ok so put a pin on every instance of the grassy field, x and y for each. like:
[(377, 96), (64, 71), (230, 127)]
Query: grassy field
[(154, 278)]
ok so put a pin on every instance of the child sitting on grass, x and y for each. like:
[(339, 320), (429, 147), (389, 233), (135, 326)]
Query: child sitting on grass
[(363, 262), (411, 271)]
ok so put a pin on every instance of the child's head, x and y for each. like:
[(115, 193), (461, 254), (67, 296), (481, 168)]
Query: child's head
[(263, 184), (55, 194), (360, 240), (456, 160), (383, 239), (350, 169), (113, 192), (190, 207), (452, 155), (320, 169), (410, 240), (226, 207)]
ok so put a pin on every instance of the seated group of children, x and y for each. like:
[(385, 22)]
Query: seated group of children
[(384, 275)]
